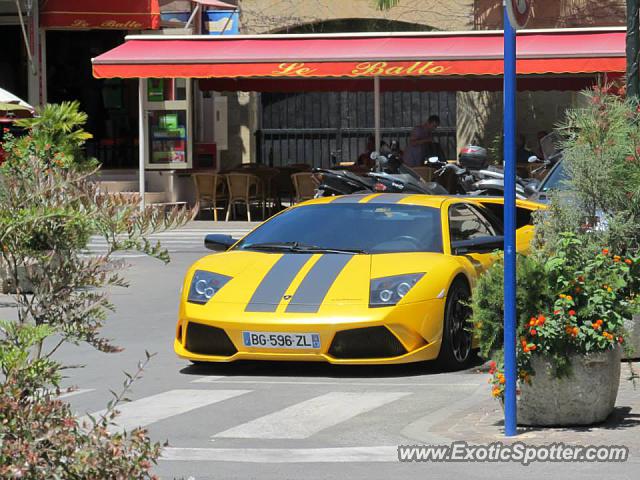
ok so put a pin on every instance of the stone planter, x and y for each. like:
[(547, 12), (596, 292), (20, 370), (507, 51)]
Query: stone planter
[(633, 338), (587, 396)]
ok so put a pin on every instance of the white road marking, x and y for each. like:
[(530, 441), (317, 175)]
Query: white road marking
[(309, 417), (209, 379), (220, 379), (154, 408), (283, 455), (74, 393)]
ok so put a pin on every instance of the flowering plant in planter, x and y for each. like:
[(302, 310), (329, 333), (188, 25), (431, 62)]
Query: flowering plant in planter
[(581, 297)]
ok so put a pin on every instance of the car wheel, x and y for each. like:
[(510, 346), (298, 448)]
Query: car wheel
[(455, 351)]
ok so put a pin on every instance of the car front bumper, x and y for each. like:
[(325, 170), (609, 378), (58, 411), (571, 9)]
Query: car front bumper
[(417, 327)]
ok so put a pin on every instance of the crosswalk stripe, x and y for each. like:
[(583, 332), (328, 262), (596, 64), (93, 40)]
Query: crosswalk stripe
[(283, 455), (309, 417), (73, 393), (154, 408)]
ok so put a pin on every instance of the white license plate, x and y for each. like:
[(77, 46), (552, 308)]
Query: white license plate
[(281, 340)]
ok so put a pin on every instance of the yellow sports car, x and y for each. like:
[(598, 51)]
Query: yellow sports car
[(356, 279)]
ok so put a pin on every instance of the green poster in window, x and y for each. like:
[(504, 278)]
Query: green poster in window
[(155, 90), (168, 121)]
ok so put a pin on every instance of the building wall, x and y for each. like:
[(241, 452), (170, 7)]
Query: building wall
[(555, 14), (262, 16)]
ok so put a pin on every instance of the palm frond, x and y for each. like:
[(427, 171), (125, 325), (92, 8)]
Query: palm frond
[(386, 4)]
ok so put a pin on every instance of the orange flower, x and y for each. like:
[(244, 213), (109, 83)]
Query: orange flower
[(581, 279), (605, 251), (575, 331), (533, 347), (599, 322), (616, 258), (569, 297), (532, 322), (628, 261), (541, 319), (495, 391)]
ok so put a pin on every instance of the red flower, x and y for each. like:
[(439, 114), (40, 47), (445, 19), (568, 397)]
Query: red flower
[(533, 332), (572, 313), (605, 251), (557, 312)]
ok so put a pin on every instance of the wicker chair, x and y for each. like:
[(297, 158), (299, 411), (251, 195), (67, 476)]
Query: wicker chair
[(211, 191), (305, 186), (426, 173), (246, 189)]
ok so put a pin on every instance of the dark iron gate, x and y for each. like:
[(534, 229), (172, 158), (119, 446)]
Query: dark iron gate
[(311, 127)]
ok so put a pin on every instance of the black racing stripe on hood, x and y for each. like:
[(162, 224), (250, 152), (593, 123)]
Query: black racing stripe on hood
[(270, 291), (316, 284)]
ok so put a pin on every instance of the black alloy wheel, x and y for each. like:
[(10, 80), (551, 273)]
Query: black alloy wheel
[(455, 351)]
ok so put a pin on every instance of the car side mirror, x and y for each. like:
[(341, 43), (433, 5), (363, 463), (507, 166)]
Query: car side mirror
[(477, 245), (218, 243)]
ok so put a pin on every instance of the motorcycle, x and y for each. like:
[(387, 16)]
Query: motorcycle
[(389, 175)]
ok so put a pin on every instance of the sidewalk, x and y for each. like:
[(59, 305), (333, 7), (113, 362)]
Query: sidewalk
[(482, 422), (210, 225)]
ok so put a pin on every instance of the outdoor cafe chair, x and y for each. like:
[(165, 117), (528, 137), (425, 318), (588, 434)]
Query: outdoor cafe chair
[(245, 189), (305, 186), (426, 173), (211, 192)]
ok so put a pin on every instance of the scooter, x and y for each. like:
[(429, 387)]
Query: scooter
[(476, 183), (389, 175)]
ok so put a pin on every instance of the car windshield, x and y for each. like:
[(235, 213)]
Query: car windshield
[(555, 180), (350, 227)]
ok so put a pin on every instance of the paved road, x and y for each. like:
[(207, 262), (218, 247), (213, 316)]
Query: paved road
[(275, 420)]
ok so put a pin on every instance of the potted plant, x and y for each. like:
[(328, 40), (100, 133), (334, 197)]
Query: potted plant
[(570, 334), (577, 289)]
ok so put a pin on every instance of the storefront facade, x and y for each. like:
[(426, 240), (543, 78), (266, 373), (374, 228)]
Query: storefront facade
[(187, 128)]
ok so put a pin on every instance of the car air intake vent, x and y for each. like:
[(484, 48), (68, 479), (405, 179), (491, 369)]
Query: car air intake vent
[(207, 340), (369, 342)]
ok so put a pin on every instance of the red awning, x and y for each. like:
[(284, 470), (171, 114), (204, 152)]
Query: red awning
[(101, 14), (256, 62)]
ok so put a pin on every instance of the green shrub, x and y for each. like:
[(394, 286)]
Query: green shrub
[(48, 210)]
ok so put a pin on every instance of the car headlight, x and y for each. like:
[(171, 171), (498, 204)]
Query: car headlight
[(388, 291), (205, 285)]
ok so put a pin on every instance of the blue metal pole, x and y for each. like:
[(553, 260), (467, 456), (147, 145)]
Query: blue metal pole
[(510, 421)]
